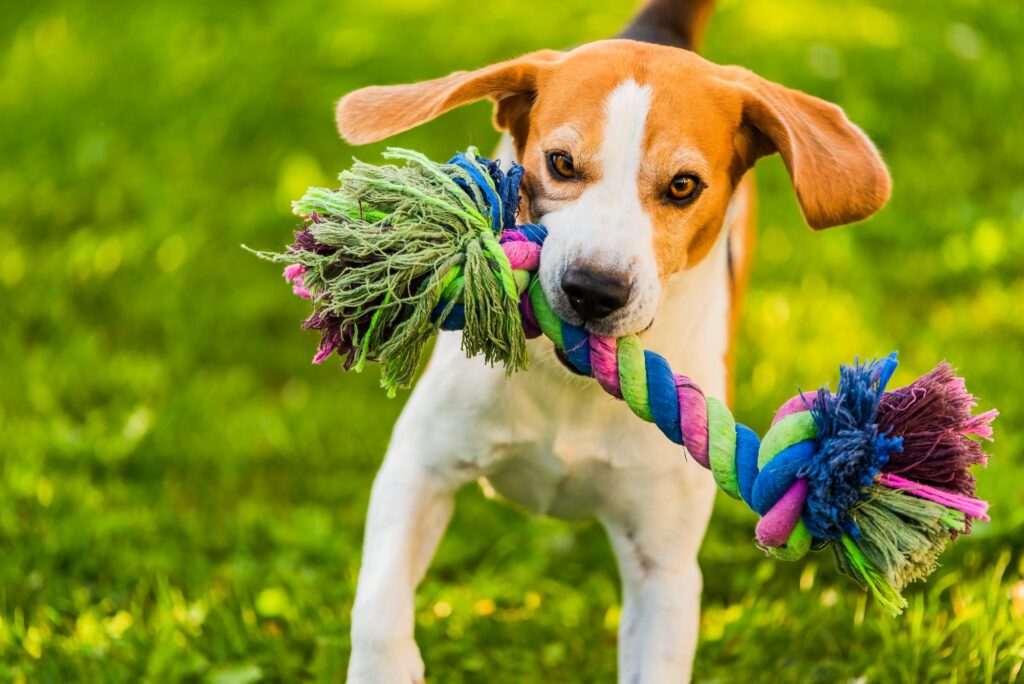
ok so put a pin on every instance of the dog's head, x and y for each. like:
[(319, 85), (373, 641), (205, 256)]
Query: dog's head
[(632, 152)]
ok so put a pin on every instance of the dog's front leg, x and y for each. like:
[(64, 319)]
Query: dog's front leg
[(409, 510), (410, 505), (656, 522)]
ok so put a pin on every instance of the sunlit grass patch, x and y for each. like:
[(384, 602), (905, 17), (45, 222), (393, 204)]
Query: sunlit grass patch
[(182, 495)]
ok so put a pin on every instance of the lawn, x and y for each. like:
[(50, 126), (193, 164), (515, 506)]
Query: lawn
[(182, 494)]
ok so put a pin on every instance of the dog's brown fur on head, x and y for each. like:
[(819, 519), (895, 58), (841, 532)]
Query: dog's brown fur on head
[(704, 118)]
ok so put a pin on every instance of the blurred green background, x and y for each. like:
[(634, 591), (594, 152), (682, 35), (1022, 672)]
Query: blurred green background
[(182, 494)]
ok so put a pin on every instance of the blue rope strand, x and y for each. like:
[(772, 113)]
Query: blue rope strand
[(493, 200), (661, 388), (577, 347), (747, 446)]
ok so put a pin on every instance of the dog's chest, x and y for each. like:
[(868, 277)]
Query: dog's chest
[(563, 451), (558, 445), (566, 477)]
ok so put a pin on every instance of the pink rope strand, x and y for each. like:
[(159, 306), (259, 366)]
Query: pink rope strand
[(972, 507)]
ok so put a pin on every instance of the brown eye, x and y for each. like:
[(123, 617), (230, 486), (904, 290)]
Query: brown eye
[(684, 187), (561, 166)]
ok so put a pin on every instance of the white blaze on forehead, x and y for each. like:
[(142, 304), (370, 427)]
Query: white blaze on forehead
[(622, 147), (606, 227), (621, 232)]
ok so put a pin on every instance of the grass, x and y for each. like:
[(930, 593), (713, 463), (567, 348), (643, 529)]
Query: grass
[(182, 495)]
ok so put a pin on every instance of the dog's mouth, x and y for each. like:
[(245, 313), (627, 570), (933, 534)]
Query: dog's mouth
[(563, 358)]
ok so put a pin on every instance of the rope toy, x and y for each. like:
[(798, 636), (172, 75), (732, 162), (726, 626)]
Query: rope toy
[(400, 252)]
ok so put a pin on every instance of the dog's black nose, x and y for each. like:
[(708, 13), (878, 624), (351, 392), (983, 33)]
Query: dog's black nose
[(595, 294)]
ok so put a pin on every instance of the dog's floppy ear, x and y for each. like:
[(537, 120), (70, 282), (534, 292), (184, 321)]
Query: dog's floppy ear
[(377, 112), (837, 173)]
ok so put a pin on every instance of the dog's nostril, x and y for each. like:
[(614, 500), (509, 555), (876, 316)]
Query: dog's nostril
[(595, 294)]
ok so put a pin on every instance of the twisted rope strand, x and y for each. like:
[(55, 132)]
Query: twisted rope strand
[(676, 404)]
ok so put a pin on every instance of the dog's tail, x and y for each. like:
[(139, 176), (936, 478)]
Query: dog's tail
[(678, 23)]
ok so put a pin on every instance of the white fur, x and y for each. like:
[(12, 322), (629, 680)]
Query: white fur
[(559, 446), (606, 228)]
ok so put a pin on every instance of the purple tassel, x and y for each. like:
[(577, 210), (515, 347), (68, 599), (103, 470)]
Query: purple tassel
[(338, 333), (933, 417), (338, 336), (304, 241)]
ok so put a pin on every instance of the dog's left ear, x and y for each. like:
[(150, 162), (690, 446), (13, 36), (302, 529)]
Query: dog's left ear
[(837, 173), (378, 112)]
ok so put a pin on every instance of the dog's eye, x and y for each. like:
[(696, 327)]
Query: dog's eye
[(684, 188), (561, 166)]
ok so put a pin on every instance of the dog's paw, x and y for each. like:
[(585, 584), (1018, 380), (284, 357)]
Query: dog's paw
[(385, 662)]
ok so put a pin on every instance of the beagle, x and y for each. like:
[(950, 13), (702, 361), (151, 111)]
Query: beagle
[(637, 154)]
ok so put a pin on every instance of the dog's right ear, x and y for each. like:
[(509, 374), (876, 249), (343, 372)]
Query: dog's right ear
[(371, 114), (837, 172)]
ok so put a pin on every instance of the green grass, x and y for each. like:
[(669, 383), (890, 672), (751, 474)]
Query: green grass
[(182, 494)]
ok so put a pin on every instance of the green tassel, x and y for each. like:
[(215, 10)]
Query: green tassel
[(406, 235), (852, 561), (902, 534), (901, 539)]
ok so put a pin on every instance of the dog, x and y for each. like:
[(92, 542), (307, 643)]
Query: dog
[(638, 157)]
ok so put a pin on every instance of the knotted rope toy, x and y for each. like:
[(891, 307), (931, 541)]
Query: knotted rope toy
[(400, 252)]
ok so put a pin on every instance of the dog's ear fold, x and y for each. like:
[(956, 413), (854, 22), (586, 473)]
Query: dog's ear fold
[(837, 173), (371, 114)]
